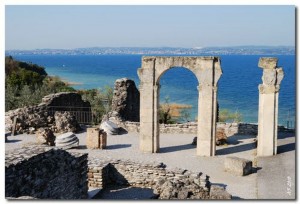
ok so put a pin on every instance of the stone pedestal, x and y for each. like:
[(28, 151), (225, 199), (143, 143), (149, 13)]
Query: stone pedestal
[(268, 106), (96, 138)]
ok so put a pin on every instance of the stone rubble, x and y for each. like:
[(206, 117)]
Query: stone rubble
[(30, 119), (167, 184), (65, 122), (45, 136)]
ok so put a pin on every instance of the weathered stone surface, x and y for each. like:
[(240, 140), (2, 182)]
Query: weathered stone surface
[(109, 127), (238, 166), (66, 141), (42, 173), (96, 138), (221, 137), (45, 136), (207, 70), (66, 122), (167, 184), (67, 99), (218, 192), (125, 102), (29, 119), (268, 62), (268, 106)]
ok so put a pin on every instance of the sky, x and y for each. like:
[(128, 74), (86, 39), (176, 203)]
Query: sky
[(67, 27)]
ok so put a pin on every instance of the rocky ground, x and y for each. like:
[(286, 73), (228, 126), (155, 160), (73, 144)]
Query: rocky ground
[(274, 176)]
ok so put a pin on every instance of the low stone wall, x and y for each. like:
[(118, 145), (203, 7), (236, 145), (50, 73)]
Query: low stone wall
[(167, 184), (191, 128), (45, 173)]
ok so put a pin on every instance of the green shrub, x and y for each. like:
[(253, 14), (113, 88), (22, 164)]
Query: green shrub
[(226, 115)]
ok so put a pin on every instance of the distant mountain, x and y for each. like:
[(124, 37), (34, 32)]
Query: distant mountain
[(236, 50)]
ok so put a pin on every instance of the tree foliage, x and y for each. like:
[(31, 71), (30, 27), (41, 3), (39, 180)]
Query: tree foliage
[(100, 101), (170, 113), (226, 115), (26, 84)]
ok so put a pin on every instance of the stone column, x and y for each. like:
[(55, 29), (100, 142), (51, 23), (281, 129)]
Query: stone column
[(147, 103), (156, 119), (206, 133), (268, 106), (207, 106)]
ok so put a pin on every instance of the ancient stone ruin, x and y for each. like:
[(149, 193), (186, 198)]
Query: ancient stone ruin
[(125, 102), (207, 70), (38, 172), (48, 173), (52, 113), (268, 106), (166, 184)]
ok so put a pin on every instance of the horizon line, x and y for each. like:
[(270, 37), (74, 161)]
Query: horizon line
[(196, 47)]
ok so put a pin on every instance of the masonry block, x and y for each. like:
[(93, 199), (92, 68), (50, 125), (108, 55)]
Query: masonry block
[(238, 166), (96, 138)]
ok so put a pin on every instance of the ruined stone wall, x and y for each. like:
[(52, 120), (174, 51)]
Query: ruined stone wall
[(44, 173), (65, 99), (191, 128), (29, 119), (126, 100), (167, 184)]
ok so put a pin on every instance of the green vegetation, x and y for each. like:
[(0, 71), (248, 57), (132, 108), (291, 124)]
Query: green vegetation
[(26, 84), (100, 101), (227, 116), (173, 113)]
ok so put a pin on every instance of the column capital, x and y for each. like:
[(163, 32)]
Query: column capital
[(267, 89)]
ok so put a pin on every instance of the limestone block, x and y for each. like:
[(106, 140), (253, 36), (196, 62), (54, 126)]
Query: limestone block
[(238, 166), (218, 192), (96, 138)]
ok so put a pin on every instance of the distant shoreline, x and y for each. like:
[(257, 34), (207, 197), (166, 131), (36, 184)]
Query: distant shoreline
[(234, 50)]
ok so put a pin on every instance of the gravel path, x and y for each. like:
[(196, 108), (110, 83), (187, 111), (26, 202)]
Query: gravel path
[(175, 151)]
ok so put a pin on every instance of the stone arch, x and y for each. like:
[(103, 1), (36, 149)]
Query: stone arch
[(208, 72)]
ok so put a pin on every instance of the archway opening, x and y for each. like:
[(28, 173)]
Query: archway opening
[(178, 109)]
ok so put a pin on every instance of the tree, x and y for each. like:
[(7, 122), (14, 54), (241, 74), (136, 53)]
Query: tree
[(227, 116)]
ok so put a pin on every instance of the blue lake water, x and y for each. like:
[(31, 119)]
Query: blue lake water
[(237, 88)]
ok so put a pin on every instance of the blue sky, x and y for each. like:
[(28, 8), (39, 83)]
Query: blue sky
[(34, 27)]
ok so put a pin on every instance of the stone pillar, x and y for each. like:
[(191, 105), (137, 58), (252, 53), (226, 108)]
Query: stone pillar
[(207, 107), (206, 133), (147, 103), (268, 106), (156, 119)]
